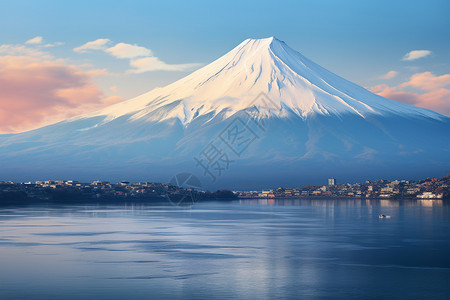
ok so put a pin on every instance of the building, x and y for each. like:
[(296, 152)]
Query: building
[(331, 181), (429, 195)]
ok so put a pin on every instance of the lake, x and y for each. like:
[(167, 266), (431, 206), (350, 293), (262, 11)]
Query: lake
[(244, 249)]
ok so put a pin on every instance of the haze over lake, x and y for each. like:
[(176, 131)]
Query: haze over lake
[(253, 249)]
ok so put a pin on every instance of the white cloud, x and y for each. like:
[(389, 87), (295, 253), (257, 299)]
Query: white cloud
[(416, 54), (53, 45), (389, 75), (35, 40), (123, 50), (147, 64), (99, 44), (20, 50), (141, 59)]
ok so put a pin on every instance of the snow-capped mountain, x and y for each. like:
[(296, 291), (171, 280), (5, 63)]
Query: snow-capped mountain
[(261, 114), (233, 81)]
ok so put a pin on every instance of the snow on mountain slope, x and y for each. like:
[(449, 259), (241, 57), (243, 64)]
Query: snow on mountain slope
[(231, 83)]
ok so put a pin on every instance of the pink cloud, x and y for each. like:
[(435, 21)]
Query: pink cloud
[(430, 93), (427, 81), (35, 93)]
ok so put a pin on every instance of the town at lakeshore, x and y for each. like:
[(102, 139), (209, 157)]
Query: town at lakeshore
[(67, 190)]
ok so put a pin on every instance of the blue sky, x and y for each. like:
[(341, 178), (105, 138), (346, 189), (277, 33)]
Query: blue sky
[(359, 40)]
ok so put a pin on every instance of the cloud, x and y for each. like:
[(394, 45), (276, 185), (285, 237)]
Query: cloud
[(38, 41), (20, 50), (422, 89), (389, 75), (416, 54), (427, 81), (147, 64), (99, 44), (36, 92), (53, 45), (35, 40), (123, 50)]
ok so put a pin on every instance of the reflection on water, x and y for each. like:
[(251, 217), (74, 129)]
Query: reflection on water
[(259, 249)]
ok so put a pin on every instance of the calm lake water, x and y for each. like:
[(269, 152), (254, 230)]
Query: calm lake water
[(309, 249)]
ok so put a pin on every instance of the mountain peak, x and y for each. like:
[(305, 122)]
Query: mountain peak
[(266, 41), (230, 84), (253, 45)]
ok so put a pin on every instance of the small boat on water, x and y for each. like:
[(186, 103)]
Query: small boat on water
[(382, 216)]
